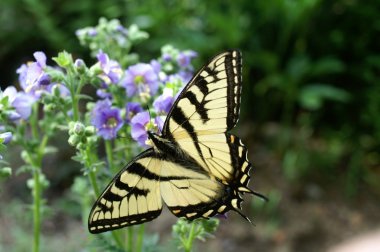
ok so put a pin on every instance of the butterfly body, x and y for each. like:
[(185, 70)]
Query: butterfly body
[(195, 166)]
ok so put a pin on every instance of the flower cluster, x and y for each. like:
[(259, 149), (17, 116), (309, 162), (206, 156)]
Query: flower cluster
[(126, 95), (132, 97), (35, 83)]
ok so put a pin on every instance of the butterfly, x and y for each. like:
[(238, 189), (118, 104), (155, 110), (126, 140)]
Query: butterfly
[(194, 166)]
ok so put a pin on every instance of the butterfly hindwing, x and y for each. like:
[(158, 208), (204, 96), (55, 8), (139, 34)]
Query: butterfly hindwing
[(132, 197), (193, 194)]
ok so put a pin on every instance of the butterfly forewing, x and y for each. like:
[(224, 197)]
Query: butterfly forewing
[(206, 109), (210, 103)]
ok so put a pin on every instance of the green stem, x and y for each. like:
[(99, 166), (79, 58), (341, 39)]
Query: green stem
[(75, 89), (36, 163), (188, 243), (109, 154), (117, 239), (130, 239), (36, 209), (94, 183), (140, 238), (75, 107), (34, 121)]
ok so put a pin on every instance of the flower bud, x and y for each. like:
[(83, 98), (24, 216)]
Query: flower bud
[(50, 107), (55, 90), (12, 115), (74, 140), (78, 128), (90, 130), (80, 66), (80, 146), (6, 137)]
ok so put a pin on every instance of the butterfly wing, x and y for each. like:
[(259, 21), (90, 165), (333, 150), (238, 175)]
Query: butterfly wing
[(194, 193), (132, 197), (210, 103), (205, 110), (198, 122)]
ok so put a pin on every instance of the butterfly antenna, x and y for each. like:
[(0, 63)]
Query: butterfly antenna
[(261, 196), (249, 190)]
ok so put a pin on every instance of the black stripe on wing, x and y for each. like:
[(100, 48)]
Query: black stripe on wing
[(233, 64)]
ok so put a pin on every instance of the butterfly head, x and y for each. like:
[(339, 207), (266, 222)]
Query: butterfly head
[(158, 143)]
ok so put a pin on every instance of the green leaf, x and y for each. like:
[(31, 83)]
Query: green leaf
[(312, 96), (136, 35), (50, 149), (85, 97), (24, 168), (327, 65), (64, 59), (5, 172)]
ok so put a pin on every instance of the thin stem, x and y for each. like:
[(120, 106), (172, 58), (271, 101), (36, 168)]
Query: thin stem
[(94, 183), (117, 239), (75, 107), (37, 193), (140, 238), (36, 162), (188, 244), (130, 239), (36, 209), (75, 89), (34, 121), (109, 154)]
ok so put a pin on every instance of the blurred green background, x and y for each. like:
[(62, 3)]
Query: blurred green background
[(311, 101)]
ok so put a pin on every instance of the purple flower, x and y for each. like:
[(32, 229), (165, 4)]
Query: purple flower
[(140, 79), (112, 71), (159, 122), (22, 72), (184, 58), (102, 93), (222, 216), (61, 89), (185, 76), (20, 101), (164, 102), (156, 66), (107, 120), (122, 30), (23, 104), (32, 76), (6, 137), (166, 57), (92, 32), (132, 109), (139, 126)]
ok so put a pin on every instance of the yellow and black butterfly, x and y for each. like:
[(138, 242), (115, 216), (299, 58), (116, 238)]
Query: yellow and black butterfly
[(194, 166)]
